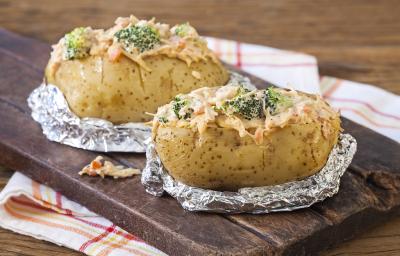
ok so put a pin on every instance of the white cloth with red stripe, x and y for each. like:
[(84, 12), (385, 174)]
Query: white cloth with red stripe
[(36, 210), (32, 209)]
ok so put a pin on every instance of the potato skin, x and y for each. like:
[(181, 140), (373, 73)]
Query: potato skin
[(219, 159), (123, 91)]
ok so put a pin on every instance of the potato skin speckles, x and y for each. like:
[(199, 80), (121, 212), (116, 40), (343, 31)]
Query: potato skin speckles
[(219, 159), (124, 90)]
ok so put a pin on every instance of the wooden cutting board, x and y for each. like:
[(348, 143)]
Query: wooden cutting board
[(369, 192)]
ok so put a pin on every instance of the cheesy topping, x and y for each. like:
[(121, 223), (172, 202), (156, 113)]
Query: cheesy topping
[(136, 39), (251, 112), (99, 167)]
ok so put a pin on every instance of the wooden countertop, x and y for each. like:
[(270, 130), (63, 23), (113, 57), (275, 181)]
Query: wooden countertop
[(357, 40)]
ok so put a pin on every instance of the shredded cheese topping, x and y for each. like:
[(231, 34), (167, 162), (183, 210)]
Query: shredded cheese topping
[(207, 108), (188, 46)]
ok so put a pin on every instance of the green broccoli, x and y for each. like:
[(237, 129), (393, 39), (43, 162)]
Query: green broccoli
[(177, 104), (143, 38), (242, 90), (273, 98), (247, 105), (77, 44), (183, 30), (163, 119), (252, 105)]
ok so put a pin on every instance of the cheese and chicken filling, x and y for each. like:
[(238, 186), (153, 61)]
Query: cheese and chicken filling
[(102, 168), (250, 112), (135, 39)]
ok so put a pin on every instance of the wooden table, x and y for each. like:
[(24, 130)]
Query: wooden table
[(357, 40)]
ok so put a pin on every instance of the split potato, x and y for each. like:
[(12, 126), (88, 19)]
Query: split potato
[(123, 91), (122, 73), (272, 149)]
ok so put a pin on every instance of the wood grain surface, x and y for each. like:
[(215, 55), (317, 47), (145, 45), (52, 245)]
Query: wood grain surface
[(357, 40)]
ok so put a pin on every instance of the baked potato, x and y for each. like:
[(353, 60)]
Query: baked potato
[(226, 138), (130, 69)]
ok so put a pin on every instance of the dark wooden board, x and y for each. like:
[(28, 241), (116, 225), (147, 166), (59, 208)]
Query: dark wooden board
[(369, 191)]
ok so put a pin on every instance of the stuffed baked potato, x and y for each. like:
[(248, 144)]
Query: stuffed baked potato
[(226, 138), (130, 69)]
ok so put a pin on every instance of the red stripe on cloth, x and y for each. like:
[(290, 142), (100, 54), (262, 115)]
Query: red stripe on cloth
[(97, 238), (58, 200), (361, 114), (372, 108), (67, 227), (238, 55), (117, 232), (263, 53), (90, 223), (305, 64)]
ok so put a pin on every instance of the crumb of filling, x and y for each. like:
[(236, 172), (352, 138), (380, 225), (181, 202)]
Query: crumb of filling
[(102, 168)]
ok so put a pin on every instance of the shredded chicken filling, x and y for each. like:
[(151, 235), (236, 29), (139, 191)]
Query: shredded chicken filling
[(184, 44), (207, 107)]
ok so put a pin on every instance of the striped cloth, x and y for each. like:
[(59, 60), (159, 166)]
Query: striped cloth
[(32, 209), (36, 210)]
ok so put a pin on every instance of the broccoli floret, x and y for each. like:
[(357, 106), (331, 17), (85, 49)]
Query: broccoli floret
[(183, 30), (273, 98), (177, 104), (253, 105), (247, 105), (143, 37), (77, 44), (242, 90)]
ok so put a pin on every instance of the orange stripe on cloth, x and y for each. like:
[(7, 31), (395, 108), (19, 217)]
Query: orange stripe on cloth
[(36, 190), (12, 210), (96, 239), (90, 223), (365, 117), (333, 88), (108, 250), (56, 207)]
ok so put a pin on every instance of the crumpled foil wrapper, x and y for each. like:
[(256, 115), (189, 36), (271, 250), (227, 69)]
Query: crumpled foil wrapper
[(284, 197), (50, 109)]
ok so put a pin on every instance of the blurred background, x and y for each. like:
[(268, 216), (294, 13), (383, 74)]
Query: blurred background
[(357, 40)]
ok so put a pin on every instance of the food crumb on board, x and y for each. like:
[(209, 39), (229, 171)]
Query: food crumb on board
[(102, 168)]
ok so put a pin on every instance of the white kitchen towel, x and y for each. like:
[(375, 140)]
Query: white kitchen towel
[(30, 208)]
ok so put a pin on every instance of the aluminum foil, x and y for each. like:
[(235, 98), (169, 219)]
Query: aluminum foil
[(285, 197), (50, 109), (60, 124)]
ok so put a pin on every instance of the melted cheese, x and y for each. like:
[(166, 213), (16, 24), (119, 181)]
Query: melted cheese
[(190, 48), (305, 108)]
